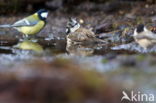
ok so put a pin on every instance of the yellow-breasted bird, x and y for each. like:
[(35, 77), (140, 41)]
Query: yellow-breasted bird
[(144, 37), (77, 34), (30, 25)]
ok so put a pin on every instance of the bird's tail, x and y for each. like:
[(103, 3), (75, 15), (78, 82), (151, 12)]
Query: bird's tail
[(5, 26)]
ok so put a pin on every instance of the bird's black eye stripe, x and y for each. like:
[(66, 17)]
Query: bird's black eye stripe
[(74, 25)]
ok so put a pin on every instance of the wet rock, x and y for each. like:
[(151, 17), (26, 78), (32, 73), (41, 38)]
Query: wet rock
[(8, 40), (117, 37), (46, 43), (135, 48)]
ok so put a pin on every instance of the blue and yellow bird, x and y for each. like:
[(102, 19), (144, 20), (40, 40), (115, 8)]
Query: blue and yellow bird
[(30, 25)]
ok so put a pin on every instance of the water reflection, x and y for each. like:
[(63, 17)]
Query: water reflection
[(81, 50), (87, 49), (30, 45)]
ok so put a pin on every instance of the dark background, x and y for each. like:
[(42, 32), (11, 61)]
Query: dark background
[(17, 6)]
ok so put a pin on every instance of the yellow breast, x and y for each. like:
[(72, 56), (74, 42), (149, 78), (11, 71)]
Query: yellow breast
[(31, 30)]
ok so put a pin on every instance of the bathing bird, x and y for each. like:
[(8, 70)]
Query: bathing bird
[(144, 37), (77, 34)]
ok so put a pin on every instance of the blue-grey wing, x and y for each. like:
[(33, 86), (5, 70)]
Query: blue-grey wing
[(25, 22)]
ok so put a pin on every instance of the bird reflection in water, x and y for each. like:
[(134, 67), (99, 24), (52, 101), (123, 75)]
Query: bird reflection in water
[(80, 50), (30, 45)]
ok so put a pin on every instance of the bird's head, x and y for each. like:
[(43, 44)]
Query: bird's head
[(72, 25), (140, 29), (43, 14)]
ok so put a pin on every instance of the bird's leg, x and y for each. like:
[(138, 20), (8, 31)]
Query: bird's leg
[(33, 38), (25, 37)]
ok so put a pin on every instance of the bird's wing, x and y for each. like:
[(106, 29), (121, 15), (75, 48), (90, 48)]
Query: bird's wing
[(84, 35), (77, 36), (92, 37), (88, 33), (29, 21)]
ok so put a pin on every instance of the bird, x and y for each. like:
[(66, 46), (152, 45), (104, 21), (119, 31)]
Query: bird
[(77, 34), (144, 37), (30, 25)]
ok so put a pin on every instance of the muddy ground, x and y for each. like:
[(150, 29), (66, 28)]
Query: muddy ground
[(53, 72)]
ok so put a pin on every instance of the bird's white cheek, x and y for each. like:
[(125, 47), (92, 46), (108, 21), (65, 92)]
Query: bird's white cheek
[(44, 15)]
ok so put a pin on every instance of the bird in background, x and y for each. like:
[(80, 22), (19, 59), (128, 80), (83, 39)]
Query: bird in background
[(30, 25), (77, 34), (144, 37)]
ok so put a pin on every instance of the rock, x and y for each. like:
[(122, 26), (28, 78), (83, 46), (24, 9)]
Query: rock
[(7, 40)]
